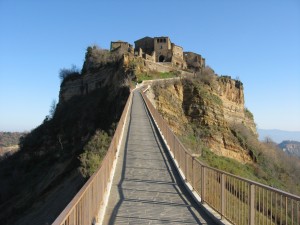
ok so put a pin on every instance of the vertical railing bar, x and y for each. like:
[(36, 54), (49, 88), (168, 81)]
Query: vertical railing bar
[(193, 173), (234, 198), (252, 204), (271, 207), (276, 210), (286, 210), (298, 213), (202, 184), (280, 209), (239, 202), (222, 194), (292, 202), (263, 205)]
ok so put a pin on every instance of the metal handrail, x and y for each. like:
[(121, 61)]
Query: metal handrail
[(84, 207), (239, 200)]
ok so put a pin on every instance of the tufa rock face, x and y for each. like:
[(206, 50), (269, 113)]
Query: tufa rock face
[(206, 111), (231, 92), (91, 81)]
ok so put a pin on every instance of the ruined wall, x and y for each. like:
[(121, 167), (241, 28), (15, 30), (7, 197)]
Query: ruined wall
[(177, 51), (194, 61), (120, 44), (150, 57)]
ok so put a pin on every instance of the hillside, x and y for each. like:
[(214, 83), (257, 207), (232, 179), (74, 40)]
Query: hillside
[(8, 139), (205, 110), (291, 148), (9, 143), (209, 116), (57, 157)]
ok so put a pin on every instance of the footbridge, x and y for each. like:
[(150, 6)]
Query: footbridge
[(148, 177)]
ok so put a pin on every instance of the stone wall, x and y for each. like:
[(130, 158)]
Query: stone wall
[(159, 67)]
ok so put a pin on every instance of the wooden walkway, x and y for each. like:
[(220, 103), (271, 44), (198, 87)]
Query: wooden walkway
[(146, 187)]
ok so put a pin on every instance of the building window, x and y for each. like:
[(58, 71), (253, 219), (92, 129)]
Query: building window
[(165, 40), (157, 40)]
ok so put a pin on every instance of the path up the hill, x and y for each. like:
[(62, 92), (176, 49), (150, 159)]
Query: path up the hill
[(146, 187)]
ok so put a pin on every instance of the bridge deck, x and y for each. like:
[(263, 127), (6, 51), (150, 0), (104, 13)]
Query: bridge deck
[(146, 188)]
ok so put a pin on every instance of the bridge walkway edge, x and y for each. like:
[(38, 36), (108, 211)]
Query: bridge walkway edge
[(146, 187)]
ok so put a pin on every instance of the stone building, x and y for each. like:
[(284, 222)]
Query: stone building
[(160, 49), (121, 46), (194, 61), (146, 44)]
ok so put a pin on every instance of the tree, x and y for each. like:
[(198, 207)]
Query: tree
[(64, 73), (52, 108)]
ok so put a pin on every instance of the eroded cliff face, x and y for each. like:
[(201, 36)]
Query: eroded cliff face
[(113, 76), (231, 92), (208, 111)]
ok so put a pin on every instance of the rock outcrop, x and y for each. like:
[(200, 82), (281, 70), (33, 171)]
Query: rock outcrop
[(209, 111), (290, 147)]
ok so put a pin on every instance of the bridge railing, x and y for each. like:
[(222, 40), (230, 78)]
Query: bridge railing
[(84, 207), (239, 200)]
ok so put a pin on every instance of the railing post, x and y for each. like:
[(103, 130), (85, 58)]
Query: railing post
[(223, 188), (203, 179), (179, 157), (174, 147), (252, 204), (193, 173), (185, 166)]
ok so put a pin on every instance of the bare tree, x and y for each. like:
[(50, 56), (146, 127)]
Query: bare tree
[(52, 108)]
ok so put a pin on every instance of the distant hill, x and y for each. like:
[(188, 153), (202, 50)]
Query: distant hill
[(291, 147), (279, 135), (8, 139), (9, 142)]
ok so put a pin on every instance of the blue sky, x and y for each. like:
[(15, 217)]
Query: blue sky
[(256, 41)]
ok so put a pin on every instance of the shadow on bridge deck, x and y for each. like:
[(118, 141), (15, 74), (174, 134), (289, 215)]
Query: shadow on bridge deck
[(146, 187)]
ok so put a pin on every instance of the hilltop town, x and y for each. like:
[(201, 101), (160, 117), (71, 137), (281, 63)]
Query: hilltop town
[(147, 56), (160, 50)]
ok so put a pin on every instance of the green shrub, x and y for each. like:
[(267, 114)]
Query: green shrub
[(96, 58), (94, 152), (69, 74), (248, 114)]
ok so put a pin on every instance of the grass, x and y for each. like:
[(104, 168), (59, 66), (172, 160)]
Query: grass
[(228, 165)]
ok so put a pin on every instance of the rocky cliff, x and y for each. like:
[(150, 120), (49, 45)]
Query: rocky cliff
[(207, 108), (290, 147), (113, 72)]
